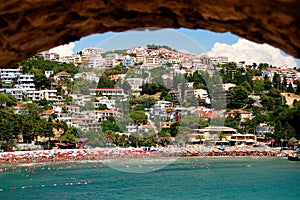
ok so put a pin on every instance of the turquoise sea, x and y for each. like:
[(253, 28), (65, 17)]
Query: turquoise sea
[(186, 178)]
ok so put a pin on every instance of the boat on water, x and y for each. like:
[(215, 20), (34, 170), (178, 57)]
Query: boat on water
[(295, 156)]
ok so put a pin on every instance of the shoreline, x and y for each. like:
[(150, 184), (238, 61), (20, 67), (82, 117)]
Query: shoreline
[(105, 154)]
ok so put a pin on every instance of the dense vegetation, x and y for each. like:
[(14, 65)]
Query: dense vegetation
[(269, 107), (155, 46)]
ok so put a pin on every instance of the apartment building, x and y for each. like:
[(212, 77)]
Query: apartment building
[(110, 103), (108, 92), (9, 75), (36, 95), (135, 83), (80, 99), (111, 60), (101, 115)]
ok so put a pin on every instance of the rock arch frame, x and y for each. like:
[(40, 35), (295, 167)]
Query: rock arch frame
[(31, 26)]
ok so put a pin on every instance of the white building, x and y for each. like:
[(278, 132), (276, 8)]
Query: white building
[(101, 115), (92, 51), (152, 61), (108, 92), (73, 109), (18, 93), (227, 86), (95, 61), (80, 99), (111, 60), (19, 109), (36, 95), (9, 75), (244, 115), (110, 103), (187, 85), (74, 58), (135, 128), (65, 117), (135, 83), (25, 81), (48, 73), (198, 93), (49, 56), (162, 105), (289, 74), (91, 76), (219, 60)]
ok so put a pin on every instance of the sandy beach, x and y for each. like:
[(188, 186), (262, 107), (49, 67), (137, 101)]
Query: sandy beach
[(69, 155)]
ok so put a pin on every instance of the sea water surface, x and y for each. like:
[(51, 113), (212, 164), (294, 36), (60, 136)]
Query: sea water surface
[(186, 178)]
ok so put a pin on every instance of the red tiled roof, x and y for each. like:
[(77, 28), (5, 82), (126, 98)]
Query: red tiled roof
[(63, 73), (210, 115), (201, 112), (100, 89), (48, 112), (238, 111), (18, 106)]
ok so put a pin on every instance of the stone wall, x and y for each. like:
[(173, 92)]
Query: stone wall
[(31, 26)]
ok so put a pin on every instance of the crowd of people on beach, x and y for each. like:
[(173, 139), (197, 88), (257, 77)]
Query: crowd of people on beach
[(67, 155)]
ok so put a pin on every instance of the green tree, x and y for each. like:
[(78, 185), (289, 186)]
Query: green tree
[(8, 126), (247, 86), (268, 102), (233, 122), (284, 85), (81, 86), (26, 126), (110, 125), (41, 81), (290, 88), (138, 116), (95, 138), (267, 83), (164, 136), (164, 95), (70, 136), (258, 86), (153, 88), (276, 81), (12, 101), (105, 82), (297, 83), (102, 107), (3, 99), (263, 66), (238, 97), (44, 128)]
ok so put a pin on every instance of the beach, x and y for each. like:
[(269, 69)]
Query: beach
[(100, 154)]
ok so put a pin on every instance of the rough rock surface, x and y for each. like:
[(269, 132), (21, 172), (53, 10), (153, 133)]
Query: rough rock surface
[(30, 26)]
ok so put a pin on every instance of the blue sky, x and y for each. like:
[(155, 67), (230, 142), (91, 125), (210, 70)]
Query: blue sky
[(204, 38), (195, 41)]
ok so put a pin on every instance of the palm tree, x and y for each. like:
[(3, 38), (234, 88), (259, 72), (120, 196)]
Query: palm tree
[(200, 137), (222, 136), (60, 126), (111, 136), (135, 138)]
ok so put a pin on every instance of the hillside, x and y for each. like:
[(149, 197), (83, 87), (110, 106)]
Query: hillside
[(290, 97)]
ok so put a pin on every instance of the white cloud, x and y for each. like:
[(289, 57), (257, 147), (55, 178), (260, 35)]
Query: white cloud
[(63, 50), (250, 52)]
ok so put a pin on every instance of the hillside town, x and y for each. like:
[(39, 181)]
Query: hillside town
[(146, 96)]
